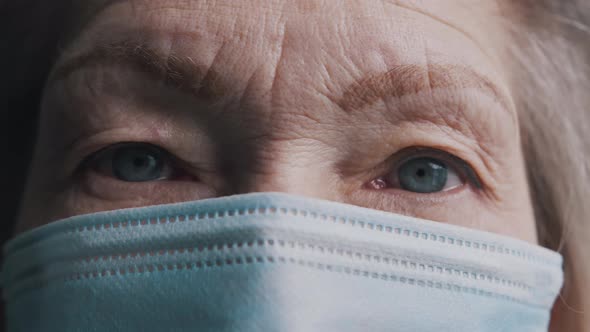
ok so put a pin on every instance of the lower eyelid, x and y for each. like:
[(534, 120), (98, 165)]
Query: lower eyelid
[(107, 188), (409, 203)]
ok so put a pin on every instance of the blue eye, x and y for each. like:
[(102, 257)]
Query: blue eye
[(423, 175), (133, 163), (428, 171), (137, 164)]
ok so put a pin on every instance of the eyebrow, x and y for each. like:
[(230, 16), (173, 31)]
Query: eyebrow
[(411, 79), (183, 73), (179, 72)]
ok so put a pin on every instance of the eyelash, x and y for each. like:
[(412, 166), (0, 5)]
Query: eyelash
[(175, 170), (393, 164), (93, 160)]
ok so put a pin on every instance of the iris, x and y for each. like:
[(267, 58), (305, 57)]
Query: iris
[(137, 164), (423, 175)]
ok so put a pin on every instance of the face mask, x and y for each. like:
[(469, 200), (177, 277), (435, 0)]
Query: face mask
[(273, 262)]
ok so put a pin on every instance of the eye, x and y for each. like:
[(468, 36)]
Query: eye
[(427, 172), (133, 162), (427, 175)]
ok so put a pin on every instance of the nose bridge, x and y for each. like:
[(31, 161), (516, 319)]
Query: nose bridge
[(293, 183), (283, 171)]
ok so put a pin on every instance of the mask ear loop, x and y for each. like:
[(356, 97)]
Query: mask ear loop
[(561, 300), (567, 306)]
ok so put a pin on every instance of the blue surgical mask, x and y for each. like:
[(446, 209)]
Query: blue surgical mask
[(273, 262)]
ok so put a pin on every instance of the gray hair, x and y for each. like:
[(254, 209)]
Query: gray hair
[(553, 101)]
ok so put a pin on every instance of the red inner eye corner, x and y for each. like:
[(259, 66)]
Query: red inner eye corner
[(378, 184)]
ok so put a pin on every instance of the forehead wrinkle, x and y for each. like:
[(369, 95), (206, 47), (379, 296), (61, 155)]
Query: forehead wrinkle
[(179, 72)]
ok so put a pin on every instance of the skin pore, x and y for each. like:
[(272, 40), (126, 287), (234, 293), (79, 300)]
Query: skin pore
[(328, 99)]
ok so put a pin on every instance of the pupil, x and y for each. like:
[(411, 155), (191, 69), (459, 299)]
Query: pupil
[(421, 172), (139, 162)]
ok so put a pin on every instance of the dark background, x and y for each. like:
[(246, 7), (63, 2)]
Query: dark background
[(29, 34)]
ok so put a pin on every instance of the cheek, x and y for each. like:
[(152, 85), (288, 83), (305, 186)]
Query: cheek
[(42, 204), (516, 223)]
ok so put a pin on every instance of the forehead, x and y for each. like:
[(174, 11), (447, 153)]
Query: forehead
[(343, 36), (296, 53), (292, 58)]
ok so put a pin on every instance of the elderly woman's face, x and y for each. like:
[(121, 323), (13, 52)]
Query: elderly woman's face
[(402, 106)]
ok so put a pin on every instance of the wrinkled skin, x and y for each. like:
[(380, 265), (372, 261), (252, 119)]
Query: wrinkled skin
[(285, 96), (317, 98)]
